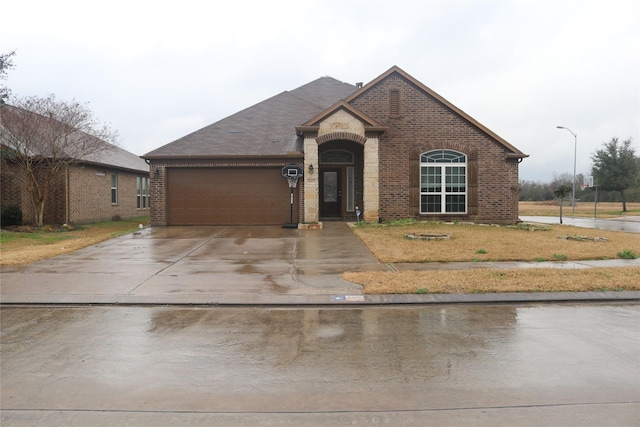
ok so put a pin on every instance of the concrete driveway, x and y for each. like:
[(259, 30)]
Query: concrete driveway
[(243, 265), (199, 265)]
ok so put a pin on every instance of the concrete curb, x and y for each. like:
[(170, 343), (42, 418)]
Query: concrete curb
[(321, 300)]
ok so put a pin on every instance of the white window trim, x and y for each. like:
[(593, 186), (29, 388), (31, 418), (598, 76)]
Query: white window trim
[(443, 184), (142, 192), (114, 188)]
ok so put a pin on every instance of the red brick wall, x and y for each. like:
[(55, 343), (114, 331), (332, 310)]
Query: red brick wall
[(88, 198), (90, 195), (425, 124), (11, 191)]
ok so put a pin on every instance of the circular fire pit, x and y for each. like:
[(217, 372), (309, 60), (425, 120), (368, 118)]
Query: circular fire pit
[(422, 236)]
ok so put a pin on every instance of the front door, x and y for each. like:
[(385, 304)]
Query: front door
[(331, 193)]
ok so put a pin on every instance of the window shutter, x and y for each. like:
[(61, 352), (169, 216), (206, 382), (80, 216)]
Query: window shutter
[(414, 183), (472, 188)]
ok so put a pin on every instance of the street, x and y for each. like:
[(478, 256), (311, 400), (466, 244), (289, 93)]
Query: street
[(570, 364)]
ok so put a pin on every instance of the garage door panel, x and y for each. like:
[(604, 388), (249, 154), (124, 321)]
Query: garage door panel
[(210, 196)]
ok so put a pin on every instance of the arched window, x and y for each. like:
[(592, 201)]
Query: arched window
[(443, 182), (336, 157)]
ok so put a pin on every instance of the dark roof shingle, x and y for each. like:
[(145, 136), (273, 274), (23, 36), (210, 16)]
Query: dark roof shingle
[(264, 129), (104, 154)]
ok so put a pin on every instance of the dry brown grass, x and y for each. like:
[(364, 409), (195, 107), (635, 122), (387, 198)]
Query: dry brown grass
[(389, 244), (494, 280), (491, 243)]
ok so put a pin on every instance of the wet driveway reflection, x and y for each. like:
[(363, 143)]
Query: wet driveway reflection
[(290, 359)]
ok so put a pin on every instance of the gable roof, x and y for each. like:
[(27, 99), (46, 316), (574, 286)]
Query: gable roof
[(108, 155), (313, 124), (512, 151), (267, 128), (264, 129)]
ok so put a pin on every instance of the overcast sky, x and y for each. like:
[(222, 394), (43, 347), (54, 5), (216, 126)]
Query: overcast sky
[(158, 70)]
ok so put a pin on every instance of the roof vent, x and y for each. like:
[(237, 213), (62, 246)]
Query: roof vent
[(394, 103), (359, 84)]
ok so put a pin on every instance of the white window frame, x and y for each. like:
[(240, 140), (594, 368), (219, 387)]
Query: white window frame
[(114, 188), (142, 192), (146, 195), (439, 164)]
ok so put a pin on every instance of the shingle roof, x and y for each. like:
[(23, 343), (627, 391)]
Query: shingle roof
[(264, 129), (111, 156), (117, 157)]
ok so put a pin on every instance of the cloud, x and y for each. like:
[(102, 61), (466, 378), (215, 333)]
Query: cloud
[(158, 70)]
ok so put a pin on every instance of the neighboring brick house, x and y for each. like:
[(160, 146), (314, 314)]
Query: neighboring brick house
[(115, 184), (389, 149)]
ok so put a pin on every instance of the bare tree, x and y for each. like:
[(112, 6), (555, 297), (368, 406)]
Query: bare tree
[(42, 137), (6, 63)]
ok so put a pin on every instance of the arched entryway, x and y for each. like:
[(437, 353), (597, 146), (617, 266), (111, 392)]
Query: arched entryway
[(340, 179), (356, 182)]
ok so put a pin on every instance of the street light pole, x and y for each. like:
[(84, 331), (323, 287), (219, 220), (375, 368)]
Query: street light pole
[(575, 152)]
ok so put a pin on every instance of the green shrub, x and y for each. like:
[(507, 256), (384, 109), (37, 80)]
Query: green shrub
[(627, 254), (11, 215)]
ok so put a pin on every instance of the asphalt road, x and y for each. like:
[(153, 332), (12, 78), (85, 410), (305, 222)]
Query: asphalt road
[(473, 365)]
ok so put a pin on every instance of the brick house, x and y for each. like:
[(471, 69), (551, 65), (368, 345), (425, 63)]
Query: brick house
[(390, 149), (114, 184)]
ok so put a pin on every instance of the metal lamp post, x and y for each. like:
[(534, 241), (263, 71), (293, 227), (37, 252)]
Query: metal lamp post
[(575, 151)]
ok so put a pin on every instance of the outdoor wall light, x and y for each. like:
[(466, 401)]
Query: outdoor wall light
[(156, 173), (311, 169)]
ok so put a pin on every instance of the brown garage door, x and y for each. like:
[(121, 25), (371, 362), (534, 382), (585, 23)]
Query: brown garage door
[(207, 196)]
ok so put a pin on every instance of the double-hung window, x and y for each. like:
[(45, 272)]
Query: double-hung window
[(443, 182), (114, 188)]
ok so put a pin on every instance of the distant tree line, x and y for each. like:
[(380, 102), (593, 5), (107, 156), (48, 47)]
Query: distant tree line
[(534, 191), (615, 170)]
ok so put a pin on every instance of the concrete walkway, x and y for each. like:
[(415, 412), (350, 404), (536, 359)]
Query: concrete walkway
[(241, 266)]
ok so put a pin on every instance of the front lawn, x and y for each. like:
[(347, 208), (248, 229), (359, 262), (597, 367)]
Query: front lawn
[(481, 243)]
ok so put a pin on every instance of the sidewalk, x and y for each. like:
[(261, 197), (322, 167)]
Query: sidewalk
[(244, 266)]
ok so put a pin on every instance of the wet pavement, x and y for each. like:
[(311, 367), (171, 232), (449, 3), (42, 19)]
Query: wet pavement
[(240, 266), (628, 224), (482, 365), (254, 326), (201, 265)]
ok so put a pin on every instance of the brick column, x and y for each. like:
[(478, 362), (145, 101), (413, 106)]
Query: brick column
[(371, 197), (311, 182), (158, 195)]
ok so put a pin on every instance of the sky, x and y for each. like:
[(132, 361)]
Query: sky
[(157, 70)]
